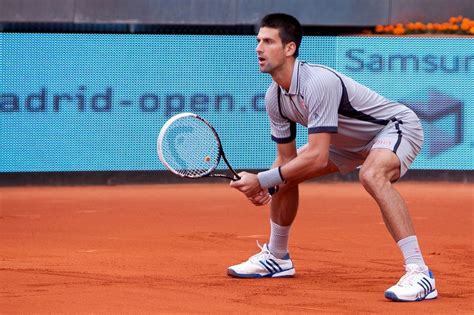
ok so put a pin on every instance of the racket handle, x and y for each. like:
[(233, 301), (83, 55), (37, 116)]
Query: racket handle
[(273, 190)]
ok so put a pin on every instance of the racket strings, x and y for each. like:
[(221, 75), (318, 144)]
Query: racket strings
[(190, 148)]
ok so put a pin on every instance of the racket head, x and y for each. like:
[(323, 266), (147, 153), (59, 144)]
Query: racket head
[(188, 146)]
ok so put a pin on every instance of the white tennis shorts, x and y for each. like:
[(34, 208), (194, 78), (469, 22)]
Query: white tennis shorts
[(404, 137)]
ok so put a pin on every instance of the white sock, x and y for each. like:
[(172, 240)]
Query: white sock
[(411, 251), (278, 244)]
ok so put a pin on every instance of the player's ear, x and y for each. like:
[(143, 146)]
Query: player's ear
[(290, 49)]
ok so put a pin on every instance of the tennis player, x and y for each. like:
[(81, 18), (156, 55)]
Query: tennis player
[(348, 125)]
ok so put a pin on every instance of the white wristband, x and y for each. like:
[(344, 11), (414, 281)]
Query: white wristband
[(270, 178)]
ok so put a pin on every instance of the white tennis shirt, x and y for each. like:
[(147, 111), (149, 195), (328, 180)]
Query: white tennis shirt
[(324, 100)]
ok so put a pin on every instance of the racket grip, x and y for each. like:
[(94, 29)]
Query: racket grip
[(273, 190)]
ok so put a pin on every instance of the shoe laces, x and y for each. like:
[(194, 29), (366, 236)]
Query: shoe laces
[(412, 275), (264, 253)]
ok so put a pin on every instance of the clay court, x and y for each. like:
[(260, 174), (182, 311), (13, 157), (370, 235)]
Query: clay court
[(165, 249)]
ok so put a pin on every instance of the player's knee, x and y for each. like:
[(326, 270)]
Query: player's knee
[(372, 178), (364, 177)]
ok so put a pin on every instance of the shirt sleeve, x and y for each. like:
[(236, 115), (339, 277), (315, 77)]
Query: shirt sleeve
[(283, 130), (322, 96)]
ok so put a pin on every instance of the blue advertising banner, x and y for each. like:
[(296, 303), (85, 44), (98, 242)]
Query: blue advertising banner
[(96, 102)]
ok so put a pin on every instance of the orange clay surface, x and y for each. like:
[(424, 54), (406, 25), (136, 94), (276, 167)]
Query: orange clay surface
[(165, 249)]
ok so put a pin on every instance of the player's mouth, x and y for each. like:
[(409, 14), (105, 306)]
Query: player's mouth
[(261, 60)]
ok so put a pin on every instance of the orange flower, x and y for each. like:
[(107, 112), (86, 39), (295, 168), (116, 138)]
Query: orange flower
[(399, 30), (411, 26), (388, 28), (379, 29), (465, 25), (420, 26), (444, 27), (456, 24)]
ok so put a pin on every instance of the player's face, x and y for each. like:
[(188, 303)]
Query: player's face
[(270, 50)]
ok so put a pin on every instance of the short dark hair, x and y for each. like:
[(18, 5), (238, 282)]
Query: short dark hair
[(288, 26)]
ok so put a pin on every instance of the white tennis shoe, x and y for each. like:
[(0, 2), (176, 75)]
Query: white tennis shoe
[(415, 285), (263, 265)]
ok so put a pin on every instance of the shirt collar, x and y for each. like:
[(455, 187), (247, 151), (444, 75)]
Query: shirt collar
[(294, 87)]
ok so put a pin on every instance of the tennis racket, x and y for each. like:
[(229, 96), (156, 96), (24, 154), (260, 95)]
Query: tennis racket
[(190, 147)]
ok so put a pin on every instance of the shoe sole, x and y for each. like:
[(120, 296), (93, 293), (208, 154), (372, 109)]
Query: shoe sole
[(392, 296), (282, 274)]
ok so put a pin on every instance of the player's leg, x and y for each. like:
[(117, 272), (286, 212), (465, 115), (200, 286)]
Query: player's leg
[(385, 164), (283, 210), (381, 168), (274, 259), (284, 205)]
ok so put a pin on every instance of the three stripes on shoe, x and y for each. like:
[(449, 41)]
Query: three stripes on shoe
[(427, 288), (271, 265)]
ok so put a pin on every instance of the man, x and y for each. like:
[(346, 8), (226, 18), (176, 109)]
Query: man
[(349, 125)]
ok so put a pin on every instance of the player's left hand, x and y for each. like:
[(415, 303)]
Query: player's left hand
[(260, 199), (248, 184)]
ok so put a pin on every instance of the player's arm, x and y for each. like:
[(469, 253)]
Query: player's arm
[(322, 96), (309, 162), (249, 183), (291, 168), (285, 153), (283, 132)]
